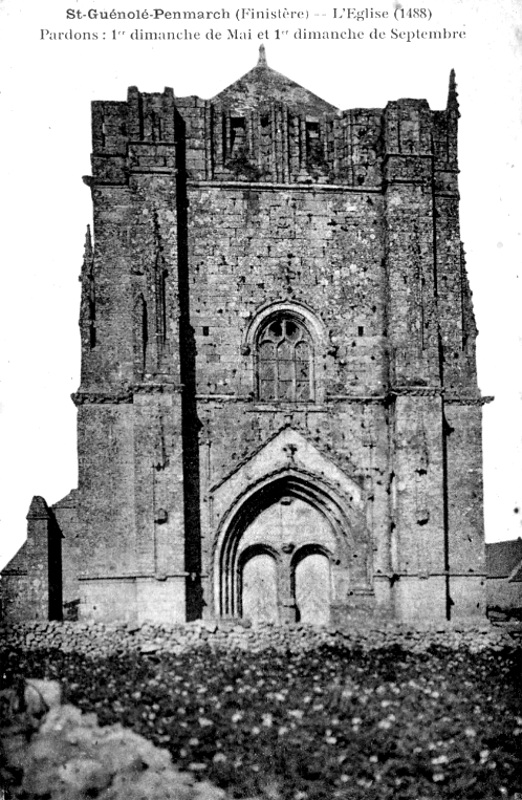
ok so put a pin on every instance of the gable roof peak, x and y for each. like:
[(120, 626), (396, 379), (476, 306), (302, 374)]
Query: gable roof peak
[(262, 86)]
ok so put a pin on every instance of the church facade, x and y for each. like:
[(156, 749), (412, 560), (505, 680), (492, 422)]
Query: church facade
[(278, 415)]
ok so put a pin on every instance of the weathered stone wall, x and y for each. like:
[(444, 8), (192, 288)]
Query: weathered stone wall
[(99, 640), (504, 595), (252, 247)]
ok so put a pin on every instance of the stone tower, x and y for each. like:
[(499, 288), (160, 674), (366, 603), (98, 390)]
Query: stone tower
[(278, 414)]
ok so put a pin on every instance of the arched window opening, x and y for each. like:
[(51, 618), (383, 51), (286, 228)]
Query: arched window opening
[(237, 136), (314, 145), (285, 361)]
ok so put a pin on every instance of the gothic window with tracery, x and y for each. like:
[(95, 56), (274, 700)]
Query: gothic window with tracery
[(284, 361)]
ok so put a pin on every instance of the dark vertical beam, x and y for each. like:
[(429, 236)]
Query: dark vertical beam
[(189, 414)]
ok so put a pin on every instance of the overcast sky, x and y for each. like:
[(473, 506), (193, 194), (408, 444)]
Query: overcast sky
[(47, 85)]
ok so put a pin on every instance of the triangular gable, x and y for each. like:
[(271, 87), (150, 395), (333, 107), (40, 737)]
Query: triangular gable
[(284, 439), (287, 452), (261, 85)]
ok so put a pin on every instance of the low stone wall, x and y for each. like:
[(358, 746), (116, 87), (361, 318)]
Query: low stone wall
[(98, 639)]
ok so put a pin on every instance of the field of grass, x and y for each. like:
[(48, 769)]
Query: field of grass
[(336, 722)]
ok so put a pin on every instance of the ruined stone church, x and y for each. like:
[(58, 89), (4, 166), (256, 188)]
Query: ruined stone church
[(278, 415)]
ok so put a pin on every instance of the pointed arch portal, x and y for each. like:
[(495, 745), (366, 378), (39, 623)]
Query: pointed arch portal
[(283, 553)]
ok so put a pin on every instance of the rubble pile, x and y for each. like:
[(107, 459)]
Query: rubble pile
[(55, 751)]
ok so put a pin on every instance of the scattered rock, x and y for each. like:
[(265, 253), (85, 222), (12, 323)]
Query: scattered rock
[(149, 648), (133, 627), (40, 696)]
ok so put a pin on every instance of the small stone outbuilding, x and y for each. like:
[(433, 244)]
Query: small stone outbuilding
[(278, 415), (504, 581)]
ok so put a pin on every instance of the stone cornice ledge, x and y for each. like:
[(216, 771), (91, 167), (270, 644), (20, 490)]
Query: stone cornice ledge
[(462, 400), (102, 398), (125, 394), (434, 391)]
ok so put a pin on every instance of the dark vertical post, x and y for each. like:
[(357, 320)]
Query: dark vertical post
[(189, 415)]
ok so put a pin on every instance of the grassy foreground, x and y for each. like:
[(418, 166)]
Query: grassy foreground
[(313, 725)]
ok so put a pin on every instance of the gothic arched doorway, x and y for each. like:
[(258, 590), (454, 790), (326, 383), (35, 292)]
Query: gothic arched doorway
[(311, 584), (282, 554), (259, 592)]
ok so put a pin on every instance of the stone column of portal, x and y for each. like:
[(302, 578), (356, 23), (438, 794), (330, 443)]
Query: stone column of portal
[(287, 603), (417, 541)]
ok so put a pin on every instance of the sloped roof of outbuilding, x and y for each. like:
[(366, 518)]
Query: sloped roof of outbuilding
[(264, 85), (502, 558), (516, 575)]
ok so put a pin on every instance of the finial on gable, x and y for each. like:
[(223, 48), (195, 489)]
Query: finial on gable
[(262, 56), (453, 103)]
